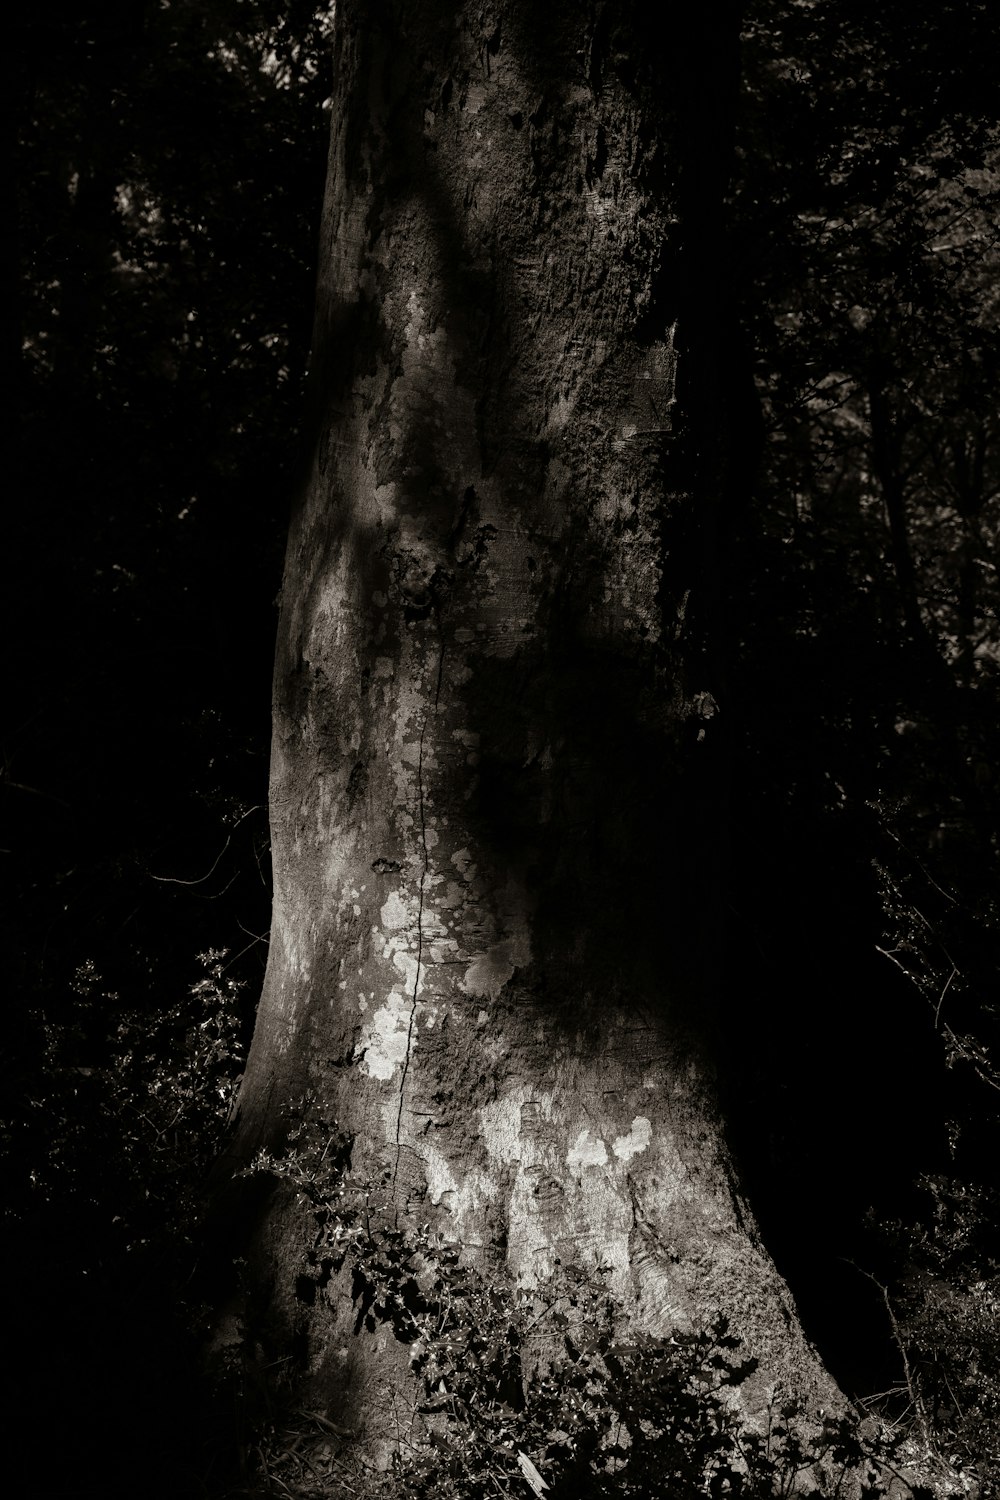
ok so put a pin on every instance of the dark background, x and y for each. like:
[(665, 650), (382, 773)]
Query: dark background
[(169, 166)]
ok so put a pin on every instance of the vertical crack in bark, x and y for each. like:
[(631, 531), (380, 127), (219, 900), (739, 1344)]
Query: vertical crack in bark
[(420, 908)]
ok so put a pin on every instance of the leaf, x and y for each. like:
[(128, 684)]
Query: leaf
[(531, 1474)]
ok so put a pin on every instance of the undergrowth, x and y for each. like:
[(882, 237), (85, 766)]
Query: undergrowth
[(514, 1389), (518, 1390)]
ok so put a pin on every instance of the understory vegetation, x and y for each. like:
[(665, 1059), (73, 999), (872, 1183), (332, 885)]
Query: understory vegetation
[(515, 1385), (510, 1385)]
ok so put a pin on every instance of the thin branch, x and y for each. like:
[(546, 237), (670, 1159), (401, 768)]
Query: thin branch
[(172, 880), (937, 1012), (34, 791), (263, 937), (890, 955), (911, 1384)]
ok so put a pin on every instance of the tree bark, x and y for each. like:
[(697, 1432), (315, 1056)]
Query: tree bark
[(498, 777)]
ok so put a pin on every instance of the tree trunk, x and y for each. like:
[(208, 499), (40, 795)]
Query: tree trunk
[(498, 778)]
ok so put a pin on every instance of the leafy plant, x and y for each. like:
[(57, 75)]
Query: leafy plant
[(146, 1095), (516, 1386), (944, 1308)]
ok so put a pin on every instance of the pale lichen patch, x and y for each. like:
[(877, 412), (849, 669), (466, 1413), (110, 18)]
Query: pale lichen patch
[(500, 1126), (452, 895), (408, 966), (388, 1037), (489, 972), (440, 1179), (587, 1150), (463, 1196), (394, 913), (638, 1138)]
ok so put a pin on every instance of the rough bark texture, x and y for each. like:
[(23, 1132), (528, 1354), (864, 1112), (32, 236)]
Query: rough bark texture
[(498, 772)]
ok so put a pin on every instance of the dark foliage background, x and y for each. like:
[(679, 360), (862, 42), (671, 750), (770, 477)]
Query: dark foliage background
[(169, 165), (168, 175)]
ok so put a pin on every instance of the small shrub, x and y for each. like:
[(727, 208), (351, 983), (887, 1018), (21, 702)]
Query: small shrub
[(126, 1111), (518, 1389)]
